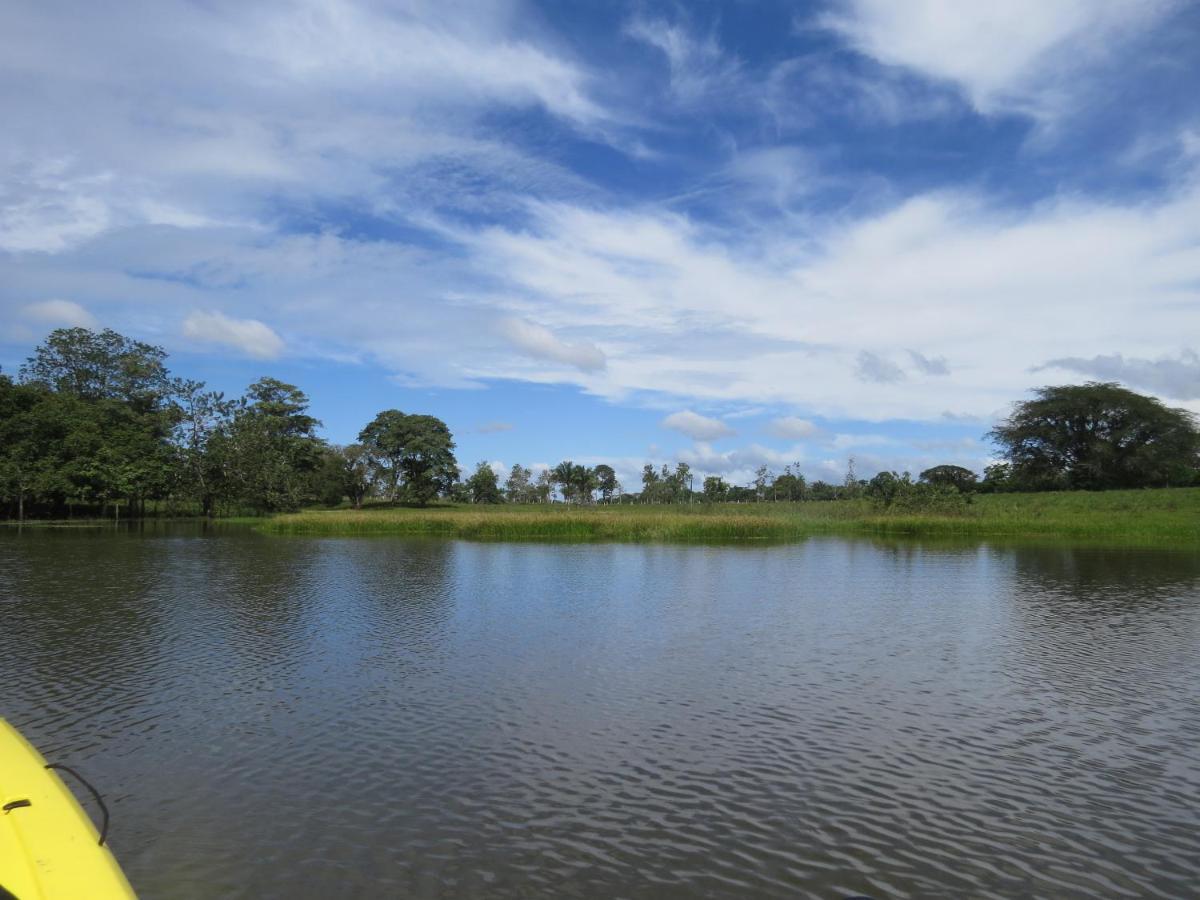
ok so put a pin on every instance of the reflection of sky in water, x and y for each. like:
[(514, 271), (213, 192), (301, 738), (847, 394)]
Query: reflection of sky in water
[(318, 717)]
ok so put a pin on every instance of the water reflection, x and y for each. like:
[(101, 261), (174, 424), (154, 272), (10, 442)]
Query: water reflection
[(294, 717)]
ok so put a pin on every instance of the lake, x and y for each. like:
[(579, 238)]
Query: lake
[(287, 717)]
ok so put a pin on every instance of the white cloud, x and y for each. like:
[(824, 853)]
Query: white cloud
[(1020, 54), (696, 426), (541, 343), (792, 428), (60, 313), (494, 427), (250, 336)]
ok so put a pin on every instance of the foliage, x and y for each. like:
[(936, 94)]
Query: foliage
[(715, 489), (957, 477), (899, 493), (483, 485), (413, 452), (1098, 436)]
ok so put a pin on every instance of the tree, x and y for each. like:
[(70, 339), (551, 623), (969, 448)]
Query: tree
[(544, 486), (484, 485), (271, 448), (715, 489), (115, 444), (519, 486), (649, 483), (344, 472), (201, 415), (413, 451), (1096, 436), (762, 477), (100, 366), (790, 485), (606, 482), (950, 476)]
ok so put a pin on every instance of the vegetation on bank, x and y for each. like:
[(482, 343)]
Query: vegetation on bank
[(96, 426), (1142, 517)]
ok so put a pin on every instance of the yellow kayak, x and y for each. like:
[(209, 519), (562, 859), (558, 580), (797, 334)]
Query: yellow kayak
[(49, 848)]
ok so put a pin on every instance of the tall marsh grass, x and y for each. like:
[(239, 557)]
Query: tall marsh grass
[(1148, 517)]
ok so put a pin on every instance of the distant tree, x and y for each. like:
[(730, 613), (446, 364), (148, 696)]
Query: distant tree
[(412, 451), (997, 478), (484, 485), (544, 486), (820, 490), (682, 482), (519, 486), (789, 486), (606, 482), (563, 477), (1096, 436), (345, 472), (762, 478), (951, 476), (715, 489)]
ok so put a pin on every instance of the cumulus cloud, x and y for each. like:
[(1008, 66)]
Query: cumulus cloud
[(540, 342), (60, 313), (696, 426), (792, 428), (1177, 377), (875, 368), (250, 336)]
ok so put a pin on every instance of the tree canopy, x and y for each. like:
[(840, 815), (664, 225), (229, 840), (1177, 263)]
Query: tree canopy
[(1095, 436), (414, 452)]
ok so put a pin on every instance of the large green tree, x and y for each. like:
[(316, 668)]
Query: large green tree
[(109, 403), (1098, 435), (270, 450), (411, 452)]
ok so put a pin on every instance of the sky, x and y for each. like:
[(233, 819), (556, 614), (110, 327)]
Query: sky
[(728, 234)]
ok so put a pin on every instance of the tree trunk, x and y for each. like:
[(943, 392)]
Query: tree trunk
[(20, 506)]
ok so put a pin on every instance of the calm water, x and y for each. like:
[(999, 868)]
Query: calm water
[(359, 718)]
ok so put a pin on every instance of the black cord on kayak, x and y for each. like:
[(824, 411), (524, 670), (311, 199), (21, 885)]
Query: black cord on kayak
[(95, 793)]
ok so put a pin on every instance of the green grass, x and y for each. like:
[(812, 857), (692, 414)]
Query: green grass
[(1148, 518)]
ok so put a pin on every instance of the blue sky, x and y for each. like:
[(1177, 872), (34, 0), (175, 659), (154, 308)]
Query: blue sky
[(730, 234)]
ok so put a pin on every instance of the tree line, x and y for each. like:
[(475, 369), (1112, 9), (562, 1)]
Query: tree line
[(94, 423)]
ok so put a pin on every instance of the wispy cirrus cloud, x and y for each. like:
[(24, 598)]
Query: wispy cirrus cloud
[(1018, 56)]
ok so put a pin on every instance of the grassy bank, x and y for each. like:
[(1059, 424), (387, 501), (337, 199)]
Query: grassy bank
[(1149, 517)]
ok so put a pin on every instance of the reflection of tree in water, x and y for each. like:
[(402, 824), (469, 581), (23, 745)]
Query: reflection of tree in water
[(1107, 575), (81, 622), (1106, 629)]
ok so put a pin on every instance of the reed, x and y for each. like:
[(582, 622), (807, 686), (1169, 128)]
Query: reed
[(1146, 517)]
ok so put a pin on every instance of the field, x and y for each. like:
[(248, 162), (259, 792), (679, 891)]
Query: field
[(1145, 517)]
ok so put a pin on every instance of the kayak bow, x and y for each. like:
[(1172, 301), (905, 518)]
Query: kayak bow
[(49, 848)]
